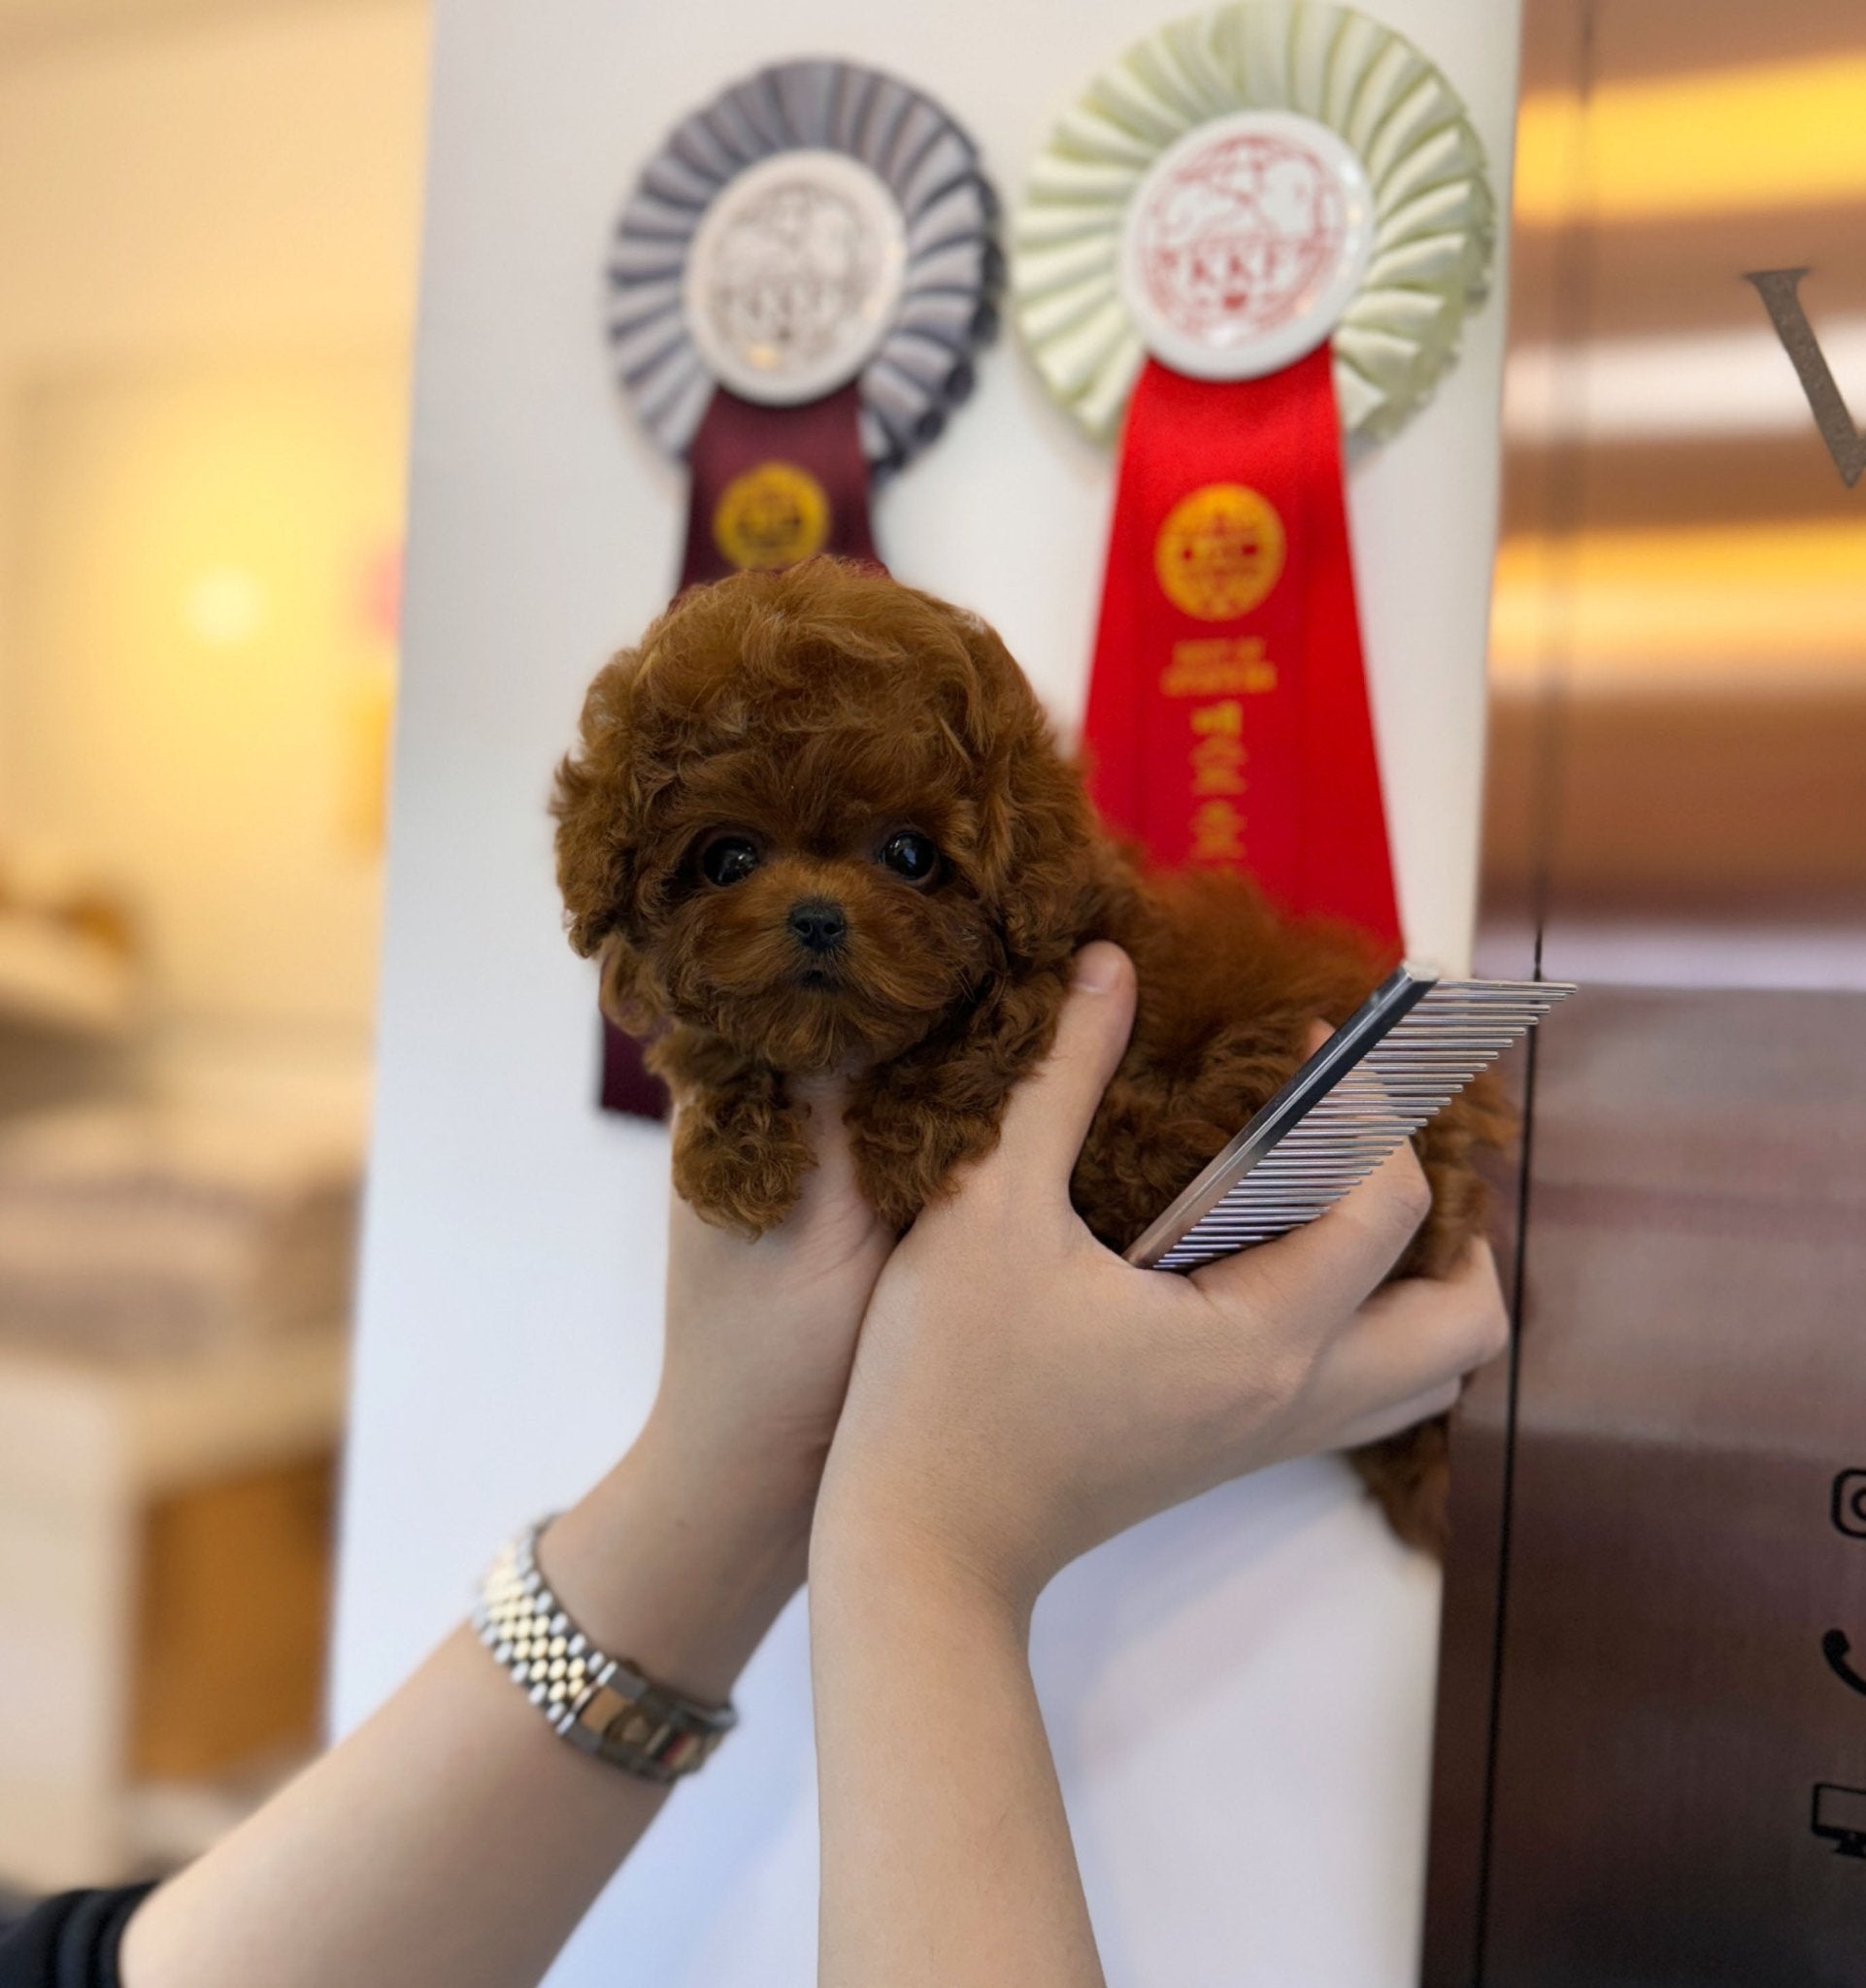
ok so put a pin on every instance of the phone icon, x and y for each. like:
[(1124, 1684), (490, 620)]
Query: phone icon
[(1836, 1648)]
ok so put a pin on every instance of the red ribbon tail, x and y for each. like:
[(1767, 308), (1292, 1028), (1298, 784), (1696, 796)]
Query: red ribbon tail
[(1228, 723)]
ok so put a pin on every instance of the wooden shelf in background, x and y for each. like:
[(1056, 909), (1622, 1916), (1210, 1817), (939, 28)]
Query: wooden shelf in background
[(132, 1492)]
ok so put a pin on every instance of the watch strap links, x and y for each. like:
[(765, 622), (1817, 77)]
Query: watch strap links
[(602, 1705)]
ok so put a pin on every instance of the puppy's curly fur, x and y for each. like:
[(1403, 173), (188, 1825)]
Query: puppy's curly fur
[(804, 721)]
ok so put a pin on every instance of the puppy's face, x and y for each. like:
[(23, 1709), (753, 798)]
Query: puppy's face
[(799, 815), (811, 916)]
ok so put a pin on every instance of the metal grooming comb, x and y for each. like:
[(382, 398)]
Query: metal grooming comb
[(1410, 1048)]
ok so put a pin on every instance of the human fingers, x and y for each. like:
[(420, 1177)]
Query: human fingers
[(823, 1101), (1323, 1272), (833, 1225), (1413, 1342), (1407, 1414), (1051, 1110)]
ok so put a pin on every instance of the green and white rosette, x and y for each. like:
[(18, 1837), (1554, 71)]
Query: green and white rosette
[(1382, 102)]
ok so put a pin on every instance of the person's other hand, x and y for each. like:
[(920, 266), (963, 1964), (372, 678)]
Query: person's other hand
[(760, 1334), (713, 1500), (1022, 1394)]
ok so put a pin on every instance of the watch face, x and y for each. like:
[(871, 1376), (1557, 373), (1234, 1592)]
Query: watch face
[(1244, 243), (795, 276)]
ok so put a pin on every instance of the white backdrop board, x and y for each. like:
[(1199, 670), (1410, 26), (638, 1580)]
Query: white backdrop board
[(1239, 1694)]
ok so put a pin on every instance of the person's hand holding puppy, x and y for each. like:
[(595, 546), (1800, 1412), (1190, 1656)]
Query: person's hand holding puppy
[(759, 1337), (1022, 1394), (1019, 1395)]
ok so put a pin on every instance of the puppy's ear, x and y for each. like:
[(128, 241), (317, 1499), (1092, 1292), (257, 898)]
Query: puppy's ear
[(1044, 860), (598, 805), (1055, 894), (626, 989)]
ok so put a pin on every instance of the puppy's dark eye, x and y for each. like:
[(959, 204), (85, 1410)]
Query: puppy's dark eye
[(728, 859), (910, 854)]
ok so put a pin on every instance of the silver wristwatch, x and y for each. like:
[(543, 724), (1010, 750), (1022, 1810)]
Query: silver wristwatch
[(601, 1705)]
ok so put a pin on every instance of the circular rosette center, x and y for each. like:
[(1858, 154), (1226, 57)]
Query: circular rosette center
[(1240, 188), (795, 276), (1244, 243)]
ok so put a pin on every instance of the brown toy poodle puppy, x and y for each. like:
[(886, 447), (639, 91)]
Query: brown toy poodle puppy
[(818, 822)]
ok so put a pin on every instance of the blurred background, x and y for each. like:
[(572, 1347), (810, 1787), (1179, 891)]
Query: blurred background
[(208, 214), (1683, 564)]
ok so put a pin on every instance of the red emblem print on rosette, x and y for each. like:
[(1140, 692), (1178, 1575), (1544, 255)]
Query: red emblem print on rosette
[(1235, 240)]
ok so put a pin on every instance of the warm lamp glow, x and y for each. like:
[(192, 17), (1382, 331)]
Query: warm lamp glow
[(225, 606), (1776, 135), (207, 702), (1703, 602)]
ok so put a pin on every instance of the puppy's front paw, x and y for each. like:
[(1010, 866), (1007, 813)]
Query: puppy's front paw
[(741, 1162)]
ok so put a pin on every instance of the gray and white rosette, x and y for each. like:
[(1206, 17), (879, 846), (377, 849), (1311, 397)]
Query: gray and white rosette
[(818, 222), (1407, 219)]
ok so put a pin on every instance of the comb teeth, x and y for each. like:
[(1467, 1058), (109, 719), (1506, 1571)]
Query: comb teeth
[(1385, 1072)]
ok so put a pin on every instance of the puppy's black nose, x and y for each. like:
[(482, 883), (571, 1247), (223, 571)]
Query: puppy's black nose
[(817, 923)]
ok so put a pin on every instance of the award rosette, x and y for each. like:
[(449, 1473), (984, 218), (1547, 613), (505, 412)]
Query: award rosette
[(1259, 230), (798, 286)]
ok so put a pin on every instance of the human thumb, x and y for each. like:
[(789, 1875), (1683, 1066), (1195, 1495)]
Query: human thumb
[(1051, 1108)]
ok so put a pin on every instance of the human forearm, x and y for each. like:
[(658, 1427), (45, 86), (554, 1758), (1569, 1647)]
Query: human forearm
[(947, 1861), (454, 1840)]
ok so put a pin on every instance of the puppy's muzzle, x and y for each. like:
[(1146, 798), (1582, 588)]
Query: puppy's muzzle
[(818, 924)]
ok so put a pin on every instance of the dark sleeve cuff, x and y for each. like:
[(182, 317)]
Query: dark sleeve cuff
[(70, 1941)]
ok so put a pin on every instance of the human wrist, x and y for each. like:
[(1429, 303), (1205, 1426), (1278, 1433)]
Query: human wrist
[(868, 1552), (759, 1476), (678, 1562)]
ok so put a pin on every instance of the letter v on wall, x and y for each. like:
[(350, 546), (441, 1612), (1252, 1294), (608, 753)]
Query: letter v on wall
[(1781, 292)]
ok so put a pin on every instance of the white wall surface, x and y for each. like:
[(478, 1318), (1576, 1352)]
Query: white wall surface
[(1239, 1694)]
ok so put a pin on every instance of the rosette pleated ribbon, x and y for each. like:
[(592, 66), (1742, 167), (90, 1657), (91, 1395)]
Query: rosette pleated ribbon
[(1255, 234), (799, 284)]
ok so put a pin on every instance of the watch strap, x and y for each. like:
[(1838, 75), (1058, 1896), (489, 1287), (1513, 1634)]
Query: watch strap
[(602, 1705)]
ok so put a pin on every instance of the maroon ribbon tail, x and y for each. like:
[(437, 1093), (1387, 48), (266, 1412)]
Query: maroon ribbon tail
[(769, 486)]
